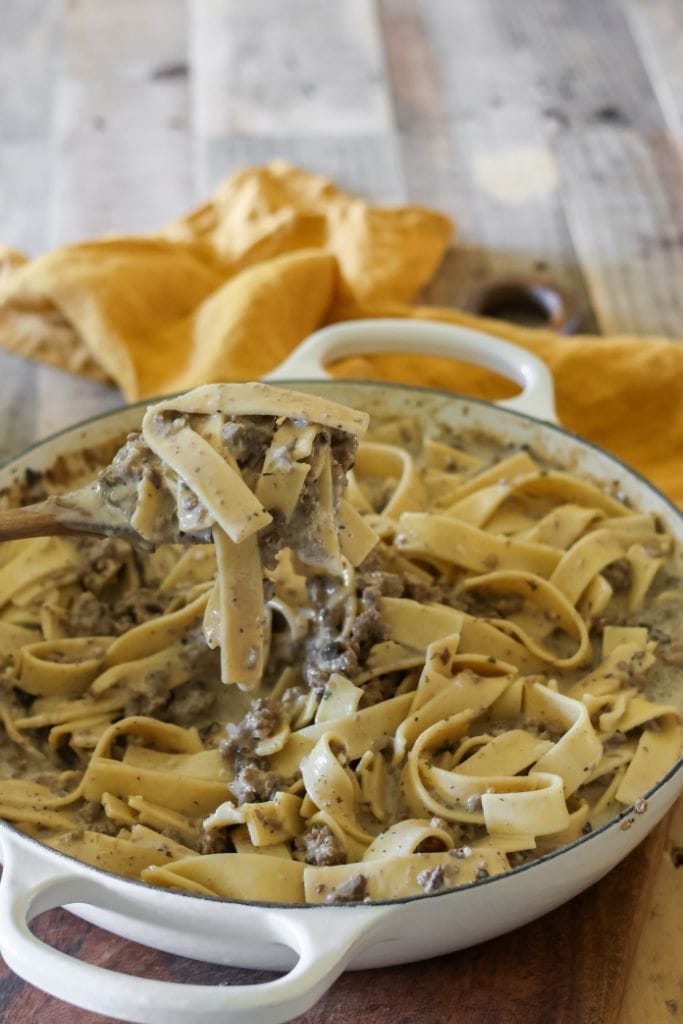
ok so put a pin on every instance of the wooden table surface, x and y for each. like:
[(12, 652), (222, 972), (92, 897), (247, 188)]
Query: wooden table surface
[(550, 130)]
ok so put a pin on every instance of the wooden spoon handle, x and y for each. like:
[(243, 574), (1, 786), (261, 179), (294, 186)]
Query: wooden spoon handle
[(39, 520)]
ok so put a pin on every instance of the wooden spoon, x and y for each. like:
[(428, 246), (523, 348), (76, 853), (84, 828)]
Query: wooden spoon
[(81, 511)]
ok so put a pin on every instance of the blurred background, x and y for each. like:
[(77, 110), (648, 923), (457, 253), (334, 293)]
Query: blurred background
[(549, 130)]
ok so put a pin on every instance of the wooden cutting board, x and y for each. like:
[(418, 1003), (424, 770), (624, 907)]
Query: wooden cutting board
[(569, 967)]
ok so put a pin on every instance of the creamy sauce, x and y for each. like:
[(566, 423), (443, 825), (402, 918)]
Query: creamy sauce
[(324, 627)]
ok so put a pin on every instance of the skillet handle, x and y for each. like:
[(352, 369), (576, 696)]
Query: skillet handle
[(425, 337), (324, 947)]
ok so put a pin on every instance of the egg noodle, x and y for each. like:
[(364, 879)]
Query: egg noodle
[(443, 657)]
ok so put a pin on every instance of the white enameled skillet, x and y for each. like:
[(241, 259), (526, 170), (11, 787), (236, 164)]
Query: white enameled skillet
[(314, 944)]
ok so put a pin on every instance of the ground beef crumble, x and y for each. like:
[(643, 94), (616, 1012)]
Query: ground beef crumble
[(214, 840), (190, 703), (272, 538), (673, 654), (351, 891), (431, 879), (253, 780), (146, 694), (262, 720), (92, 813), (384, 584), (320, 846), (247, 439), (618, 574), (328, 651), (486, 604), (380, 688), (105, 558), (88, 616), (137, 606), (134, 461), (424, 593), (253, 784)]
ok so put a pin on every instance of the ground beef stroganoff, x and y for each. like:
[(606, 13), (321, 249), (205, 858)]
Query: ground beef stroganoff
[(467, 675)]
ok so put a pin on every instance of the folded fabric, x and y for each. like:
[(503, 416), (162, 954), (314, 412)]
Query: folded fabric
[(227, 291)]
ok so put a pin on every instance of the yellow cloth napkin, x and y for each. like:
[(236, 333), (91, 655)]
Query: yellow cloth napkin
[(228, 290)]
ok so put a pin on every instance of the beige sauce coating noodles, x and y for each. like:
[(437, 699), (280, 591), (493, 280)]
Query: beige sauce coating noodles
[(447, 658)]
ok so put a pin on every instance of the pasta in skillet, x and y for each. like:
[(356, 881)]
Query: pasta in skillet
[(253, 468), (456, 666)]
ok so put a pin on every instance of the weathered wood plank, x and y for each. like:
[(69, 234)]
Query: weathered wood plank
[(622, 196), (306, 75), (29, 44), (654, 989), (419, 108), (476, 141), (524, 104), (29, 47), (29, 50), (372, 168), (122, 146), (24, 189), (586, 66), (619, 173), (657, 27), (323, 103)]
